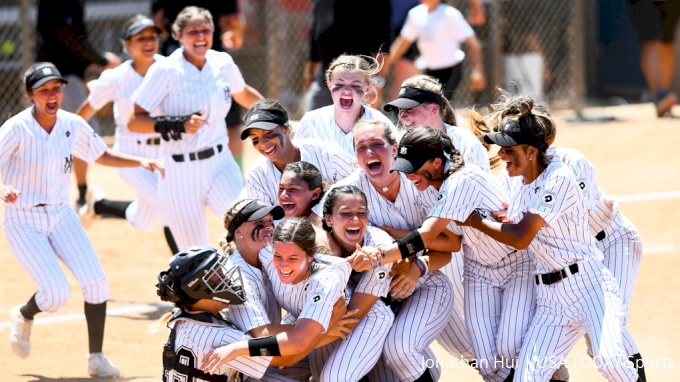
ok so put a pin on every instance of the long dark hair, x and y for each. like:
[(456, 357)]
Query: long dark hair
[(310, 175), (437, 141), (332, 197)]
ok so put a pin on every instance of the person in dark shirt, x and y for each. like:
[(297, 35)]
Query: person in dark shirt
[(344, 27), (62, 40)]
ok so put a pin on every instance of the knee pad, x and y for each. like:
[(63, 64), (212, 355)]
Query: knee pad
[(96, 292)]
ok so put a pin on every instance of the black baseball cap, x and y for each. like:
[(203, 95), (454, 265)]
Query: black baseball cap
[(411, 158), (410, 97), (265, 120), (252, 211), (138, 26), (513, 135), (43, 73)]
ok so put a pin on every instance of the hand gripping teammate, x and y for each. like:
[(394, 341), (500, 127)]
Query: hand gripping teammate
[(193, 89), (140, 39), (37, 147), (576, 294)]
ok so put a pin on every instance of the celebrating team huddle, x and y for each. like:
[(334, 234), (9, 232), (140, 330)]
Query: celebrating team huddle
[(351, 244)]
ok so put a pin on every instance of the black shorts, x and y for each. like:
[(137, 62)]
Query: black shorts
[(235, 115), (654, 20), (449, 77)]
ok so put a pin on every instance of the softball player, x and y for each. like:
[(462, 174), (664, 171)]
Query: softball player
[(422, 103), (140, 37), (575, 293), (395, 205), (201, 283), (349, 79), (37, 147), (193, 89), (268, 129), (306, 285)]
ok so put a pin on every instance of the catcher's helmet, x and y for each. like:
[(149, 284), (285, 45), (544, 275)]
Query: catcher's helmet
[(201, 272)]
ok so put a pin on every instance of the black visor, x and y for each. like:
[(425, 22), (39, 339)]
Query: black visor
[(513, 135), (411, 158), (42, 75), (265, 120), (138, 26), (411, 97), (254, 210)]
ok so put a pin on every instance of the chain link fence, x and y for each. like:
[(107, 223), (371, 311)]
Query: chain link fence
[(529, 46)]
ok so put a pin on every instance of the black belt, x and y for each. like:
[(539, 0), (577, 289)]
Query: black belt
[(198, 155), (150, 142), (600, 235), (557, 276)]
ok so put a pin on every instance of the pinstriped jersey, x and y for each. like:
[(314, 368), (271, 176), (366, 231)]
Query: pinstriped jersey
[(195, 339), (320, 124), (606, 216), (377, 281), (117, 85), (176, 87), (564, 238), (40, 164), (260, 307), (409, 209), (469, 146), (262, 178), (314, 297), (467, 189)]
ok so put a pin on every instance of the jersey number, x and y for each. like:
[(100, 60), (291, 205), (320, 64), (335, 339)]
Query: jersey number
[(187, 358)]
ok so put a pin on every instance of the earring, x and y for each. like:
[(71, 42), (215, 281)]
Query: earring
[(241, 237)]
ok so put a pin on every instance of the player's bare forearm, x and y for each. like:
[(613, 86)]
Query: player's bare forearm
[(437, 260), (363, 302), (517, 235), (398, 49), (247, 97), (113, 158), (475, 52), (86, 111), (141, 122), (269, 330)]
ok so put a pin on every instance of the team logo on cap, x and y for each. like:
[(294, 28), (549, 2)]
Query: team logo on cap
[(254, 117), (403, 151), (47, 71), (402, 90)]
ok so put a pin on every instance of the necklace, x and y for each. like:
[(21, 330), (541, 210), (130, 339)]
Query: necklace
[(385, 188)]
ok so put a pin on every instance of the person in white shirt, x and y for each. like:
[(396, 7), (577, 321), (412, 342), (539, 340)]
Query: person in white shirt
[(575, 293), (193, 90), (37, 149), (140, 39), (349, 79), (440, 29), (421, 102)]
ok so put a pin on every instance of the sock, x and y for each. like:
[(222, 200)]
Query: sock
[(30, 309), (426, 377), (95, 315), (111, 207), (82, 191), (171, 240), (239, 162), (639, 365)]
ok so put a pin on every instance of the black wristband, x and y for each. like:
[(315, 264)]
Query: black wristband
[(410, 244), (265, 347)]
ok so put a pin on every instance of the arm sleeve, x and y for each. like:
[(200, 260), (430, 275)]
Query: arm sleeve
[(557, 195), (89, 146), (154, 88), (8, 143), (325, 290), (103, 90)]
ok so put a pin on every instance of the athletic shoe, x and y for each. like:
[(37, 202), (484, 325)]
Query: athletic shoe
[(665, 102), (20, 334), (86, 212), (100, 366)]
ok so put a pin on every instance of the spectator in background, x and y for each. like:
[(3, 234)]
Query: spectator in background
[(345, 27), (62, 40), (227, 36), (655, 22)]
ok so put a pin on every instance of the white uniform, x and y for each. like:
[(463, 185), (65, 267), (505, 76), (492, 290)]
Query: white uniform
[(320, 123), (263, 178), (586, 301), (117, 85), (469, 146), (194, 339), (41, 223), (314, 299), (423, 315), (499, 291), (199, 169)]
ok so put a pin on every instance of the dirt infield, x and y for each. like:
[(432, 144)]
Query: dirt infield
[(634, 155)]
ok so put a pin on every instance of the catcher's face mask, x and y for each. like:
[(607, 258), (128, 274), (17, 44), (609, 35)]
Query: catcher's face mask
[(224, 283)]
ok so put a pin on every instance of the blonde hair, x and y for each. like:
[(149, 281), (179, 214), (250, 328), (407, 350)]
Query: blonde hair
[(186, 15), (366, 65), (534, 119), (479, 128), (227, 244), (432, 85)]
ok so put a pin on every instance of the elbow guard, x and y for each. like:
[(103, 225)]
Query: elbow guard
[(410, 244)]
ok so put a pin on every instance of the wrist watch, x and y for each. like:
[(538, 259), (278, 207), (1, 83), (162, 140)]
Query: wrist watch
[(378, 81)]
